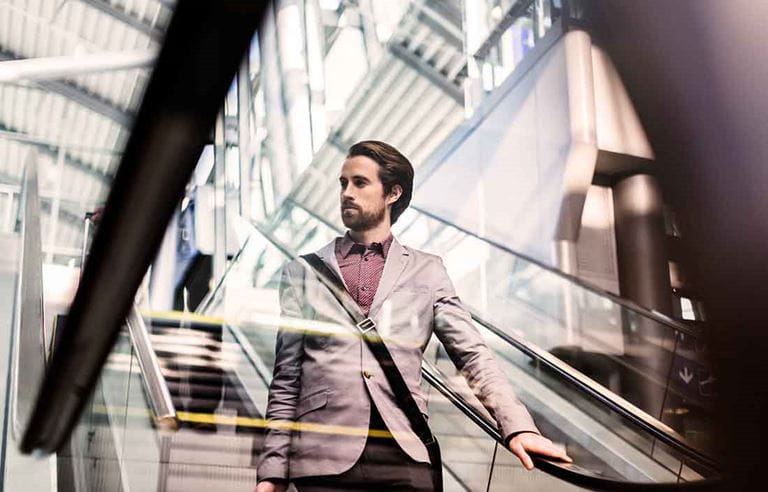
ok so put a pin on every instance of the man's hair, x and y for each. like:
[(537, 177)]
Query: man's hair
[(394, 169)]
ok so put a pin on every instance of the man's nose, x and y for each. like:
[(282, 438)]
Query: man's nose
[(346, 192)]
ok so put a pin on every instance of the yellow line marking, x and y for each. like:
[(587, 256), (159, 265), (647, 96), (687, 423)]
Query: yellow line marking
[(208, 418), (281, 323), (182, 316)]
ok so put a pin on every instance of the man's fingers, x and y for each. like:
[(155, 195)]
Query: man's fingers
[(546, 448), (563, 455), (522, 455)]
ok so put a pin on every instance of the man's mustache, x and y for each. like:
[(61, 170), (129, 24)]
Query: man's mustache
[(349, 205)]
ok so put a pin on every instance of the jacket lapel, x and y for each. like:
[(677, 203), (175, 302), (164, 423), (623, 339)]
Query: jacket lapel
[(397, 259), (328, 254)]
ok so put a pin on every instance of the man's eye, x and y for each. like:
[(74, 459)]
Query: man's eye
[(359, 184)]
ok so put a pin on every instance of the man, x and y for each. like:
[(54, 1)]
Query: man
[(345, 429)]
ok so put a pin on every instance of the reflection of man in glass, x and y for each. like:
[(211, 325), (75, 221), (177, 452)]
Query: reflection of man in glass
[(343, 427)]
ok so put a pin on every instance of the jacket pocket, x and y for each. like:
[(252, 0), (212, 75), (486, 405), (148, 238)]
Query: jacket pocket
[(311, 402)]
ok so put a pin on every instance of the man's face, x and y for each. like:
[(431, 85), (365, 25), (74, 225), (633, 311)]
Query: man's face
[(363, 203)]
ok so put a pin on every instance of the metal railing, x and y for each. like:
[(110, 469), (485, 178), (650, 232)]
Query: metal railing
[(30, 343), (573, 474), (160, 401), (568, 472), (152, 379)]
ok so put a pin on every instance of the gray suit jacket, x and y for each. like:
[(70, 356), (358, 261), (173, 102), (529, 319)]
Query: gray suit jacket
[(326, 377)]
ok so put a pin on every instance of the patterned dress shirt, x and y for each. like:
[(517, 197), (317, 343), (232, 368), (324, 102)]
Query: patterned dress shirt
[(361, 268)]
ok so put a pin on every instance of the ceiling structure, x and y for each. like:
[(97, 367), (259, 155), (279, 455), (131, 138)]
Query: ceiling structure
[(72, 73)]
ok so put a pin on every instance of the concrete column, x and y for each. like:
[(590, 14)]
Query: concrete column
[(644, 279), (641, 243)]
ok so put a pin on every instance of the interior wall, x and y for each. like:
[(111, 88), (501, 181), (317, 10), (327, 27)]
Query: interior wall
[(505, 179), (596, 247)]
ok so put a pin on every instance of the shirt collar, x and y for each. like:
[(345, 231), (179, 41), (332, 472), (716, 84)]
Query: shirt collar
[(345, 245)]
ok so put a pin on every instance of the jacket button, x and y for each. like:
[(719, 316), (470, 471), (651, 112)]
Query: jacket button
[(367, 374)]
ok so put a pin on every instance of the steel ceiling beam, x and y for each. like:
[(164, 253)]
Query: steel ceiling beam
[(430, 72), (67, 215), (121, 15), (103, 177), (57, 67), (79, 95), (88, 100)]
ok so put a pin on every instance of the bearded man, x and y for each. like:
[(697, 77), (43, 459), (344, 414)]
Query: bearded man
[(341, 427)]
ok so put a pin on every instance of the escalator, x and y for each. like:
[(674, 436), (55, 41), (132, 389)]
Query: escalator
[(179, 404), (176, 401), (613, 442), (218, 389)]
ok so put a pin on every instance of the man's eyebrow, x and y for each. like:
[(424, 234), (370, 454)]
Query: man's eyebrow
[(356, 176)]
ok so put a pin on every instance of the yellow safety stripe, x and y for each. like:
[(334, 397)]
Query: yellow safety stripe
[(184, 316), (209, 418)]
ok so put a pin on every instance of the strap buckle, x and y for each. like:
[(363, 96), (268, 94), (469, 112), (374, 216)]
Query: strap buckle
[(430, 441), (366, 325)]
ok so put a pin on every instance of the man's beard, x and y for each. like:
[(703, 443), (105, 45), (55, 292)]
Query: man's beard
[(364, 221)]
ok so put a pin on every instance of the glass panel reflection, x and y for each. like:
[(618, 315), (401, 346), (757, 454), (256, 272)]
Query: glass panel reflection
[(601, 441)]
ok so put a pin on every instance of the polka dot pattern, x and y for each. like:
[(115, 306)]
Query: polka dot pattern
[(362, 266)]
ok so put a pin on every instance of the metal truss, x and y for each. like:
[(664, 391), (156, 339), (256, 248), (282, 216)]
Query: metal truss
[(122, 16), (103, 177)]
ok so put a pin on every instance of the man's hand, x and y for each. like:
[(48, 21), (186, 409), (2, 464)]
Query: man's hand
[(529, 442), (267, 486)]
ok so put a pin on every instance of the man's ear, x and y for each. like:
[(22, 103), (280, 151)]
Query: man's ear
[(394, 194)]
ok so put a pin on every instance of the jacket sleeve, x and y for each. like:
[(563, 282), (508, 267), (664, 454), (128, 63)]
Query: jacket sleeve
[(286, 380), (468, 351)]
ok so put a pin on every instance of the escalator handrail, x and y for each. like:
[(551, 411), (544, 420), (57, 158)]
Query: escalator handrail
[(255, 361), (561, 470), (211, 295), (155, 384), (29, 341), (624, 303), (615, 403)]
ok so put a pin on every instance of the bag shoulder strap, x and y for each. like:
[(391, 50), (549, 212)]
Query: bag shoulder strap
[(333, 283)]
